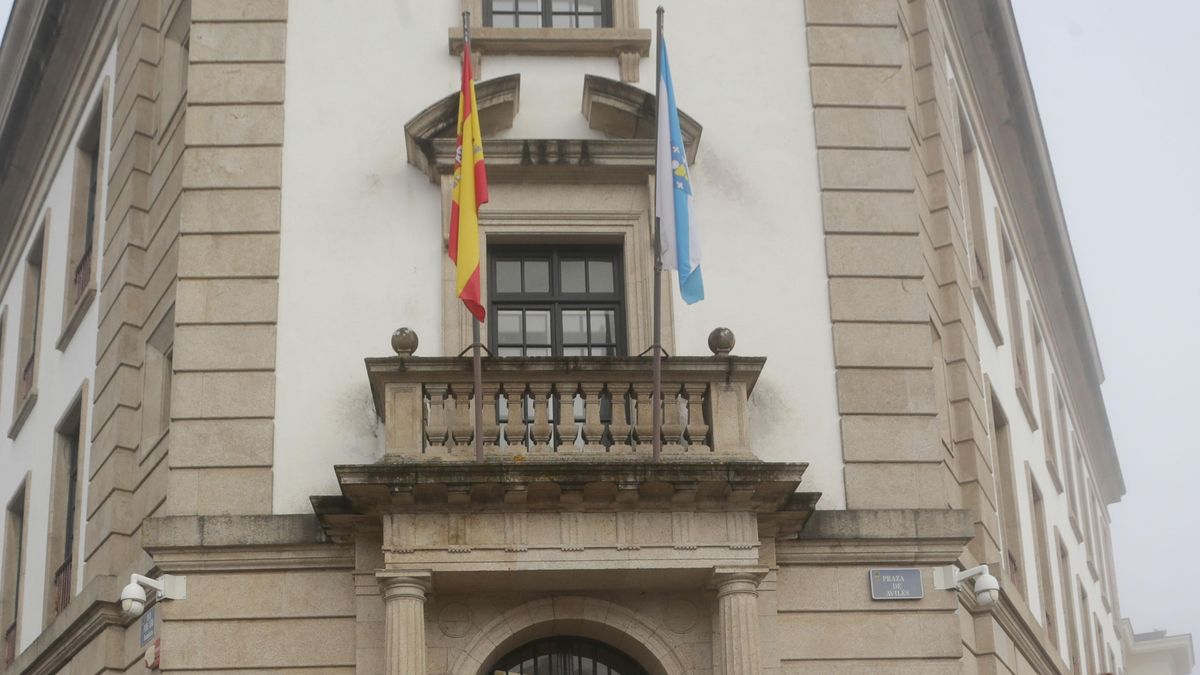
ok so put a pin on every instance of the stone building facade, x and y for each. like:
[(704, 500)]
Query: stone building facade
[(214, 210)]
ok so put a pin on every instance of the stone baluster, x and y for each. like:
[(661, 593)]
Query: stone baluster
[(593, 428), (697, 428), (540, 430), (436, 429), (737, 613), (491, 427), (643, 393), (619, 429), (462, 422), (672, 427), (404, 621), (514, 428), (567, 430)]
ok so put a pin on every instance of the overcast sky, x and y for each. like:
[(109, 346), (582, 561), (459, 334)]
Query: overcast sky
[(1118, 91), (1119, 95)]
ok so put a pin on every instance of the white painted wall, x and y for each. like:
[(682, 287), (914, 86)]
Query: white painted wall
[(361, 250), (60, 376), (1028, 447)]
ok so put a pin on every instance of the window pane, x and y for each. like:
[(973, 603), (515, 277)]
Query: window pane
[(563, 5), (562, 21), (503, 5), (530, 5), (573, 276), (590, 21), (508, 351), (603, 326), (508, 327), (529, 21), (537, 327), (537, 276), (600, 276), (575, 351), (574, 326), (504, 21), (537, 351), (508, 276), (602, 351), (590, 6)]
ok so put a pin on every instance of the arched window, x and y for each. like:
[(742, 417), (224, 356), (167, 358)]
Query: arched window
[(566, 656)]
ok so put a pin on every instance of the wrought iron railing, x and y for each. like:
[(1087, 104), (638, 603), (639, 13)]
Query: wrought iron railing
[(83, 273), (62, 585), (10, 643)]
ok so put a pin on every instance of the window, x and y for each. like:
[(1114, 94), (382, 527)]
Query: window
[(31, 319), (548, 13), (64, 508), (973, 213), (1016, 328), (1064, 577), (173, 70), (1006, 493), (1040, 549), (84, 216), (14, 570), (1089, 643), (157, 374), (1044, 407), (556, 301), (1085, 507), (566, 656)]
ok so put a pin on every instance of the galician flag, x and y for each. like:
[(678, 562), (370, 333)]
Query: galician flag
[(680, 247), (470, 191)]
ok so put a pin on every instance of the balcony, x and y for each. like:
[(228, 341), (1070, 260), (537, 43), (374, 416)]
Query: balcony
[(83, 275), (584, 408)]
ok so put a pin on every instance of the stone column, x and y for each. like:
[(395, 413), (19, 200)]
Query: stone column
[(404, 621), (737, 609)]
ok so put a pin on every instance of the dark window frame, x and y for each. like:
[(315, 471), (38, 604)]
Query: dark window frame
[(555, 301), (546, 14), (563, 655)]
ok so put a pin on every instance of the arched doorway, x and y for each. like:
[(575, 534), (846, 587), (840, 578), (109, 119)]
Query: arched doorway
[(562, 655)]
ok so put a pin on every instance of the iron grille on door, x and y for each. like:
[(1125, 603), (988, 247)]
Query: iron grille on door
[(566, 656)]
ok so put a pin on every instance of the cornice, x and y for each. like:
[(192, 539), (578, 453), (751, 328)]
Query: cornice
[(88, 614), (1027, 635)]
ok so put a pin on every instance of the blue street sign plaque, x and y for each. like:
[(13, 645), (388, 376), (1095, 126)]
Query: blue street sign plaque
[(896, 584), (148, 625)]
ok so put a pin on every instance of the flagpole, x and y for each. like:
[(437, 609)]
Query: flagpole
[(656, 400), (476, 345)]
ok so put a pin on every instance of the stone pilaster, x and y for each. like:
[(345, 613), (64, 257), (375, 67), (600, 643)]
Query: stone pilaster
[(737, 613), (404, 621)]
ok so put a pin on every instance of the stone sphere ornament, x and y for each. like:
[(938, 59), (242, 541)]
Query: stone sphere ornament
[(721, 341), (404, 341)]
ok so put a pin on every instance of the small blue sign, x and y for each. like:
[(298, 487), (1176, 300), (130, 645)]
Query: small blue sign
[(896, 584), (148, 624)]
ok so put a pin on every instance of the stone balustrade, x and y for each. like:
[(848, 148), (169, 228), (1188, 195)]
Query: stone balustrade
[(579, 406)]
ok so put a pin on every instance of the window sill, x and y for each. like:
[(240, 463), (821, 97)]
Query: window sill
[(1052, 467), (1075, 528), (75, 318), (1027, 406), (627, 44), (23, 411), (989, 314)]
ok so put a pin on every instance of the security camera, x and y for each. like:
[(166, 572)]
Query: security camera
[(133, 599), (166, 587), (987, 587), (987, 590)]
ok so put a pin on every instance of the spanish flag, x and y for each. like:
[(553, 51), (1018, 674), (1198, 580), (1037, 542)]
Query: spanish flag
[(470, 191)]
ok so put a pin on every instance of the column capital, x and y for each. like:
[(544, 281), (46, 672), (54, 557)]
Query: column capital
[(726, 580), (404, 583)]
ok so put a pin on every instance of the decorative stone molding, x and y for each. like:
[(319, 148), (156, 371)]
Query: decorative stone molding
[(91, 612), (888, 536), (498, 101), (635, 634), (624, 111)]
